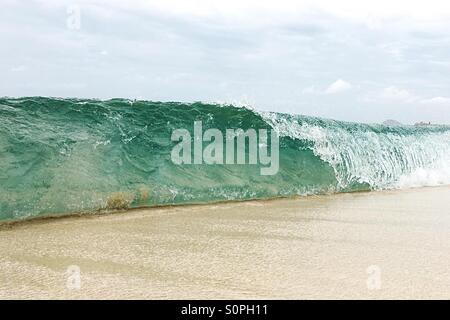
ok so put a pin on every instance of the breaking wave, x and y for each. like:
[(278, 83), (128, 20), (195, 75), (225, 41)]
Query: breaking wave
[(70, 155)]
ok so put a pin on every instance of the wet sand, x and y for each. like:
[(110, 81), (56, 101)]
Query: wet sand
[(393, 244)]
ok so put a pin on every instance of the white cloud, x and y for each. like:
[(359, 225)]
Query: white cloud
[(18, 68), (311, 90), (338, 86), (437, 101), (350, 9), (405, 96), (400, 95)]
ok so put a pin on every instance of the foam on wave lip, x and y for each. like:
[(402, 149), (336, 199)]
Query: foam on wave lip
[(424, 178), (382, 157)]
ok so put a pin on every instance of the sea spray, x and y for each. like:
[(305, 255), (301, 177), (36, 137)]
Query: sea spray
[(60, 156)]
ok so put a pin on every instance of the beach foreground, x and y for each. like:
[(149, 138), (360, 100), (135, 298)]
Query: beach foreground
[(392, 244)]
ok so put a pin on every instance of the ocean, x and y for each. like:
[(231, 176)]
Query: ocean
[(63, 156)]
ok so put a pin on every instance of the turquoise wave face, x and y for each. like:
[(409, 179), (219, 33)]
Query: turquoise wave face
[(67, 155)]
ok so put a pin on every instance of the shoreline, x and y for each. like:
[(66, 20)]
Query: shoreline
[(320, 247), (49, 218)]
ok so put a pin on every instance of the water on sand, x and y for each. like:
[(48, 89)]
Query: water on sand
[(310, 247)]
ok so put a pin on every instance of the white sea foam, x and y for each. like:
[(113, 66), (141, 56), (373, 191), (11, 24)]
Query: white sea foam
[(384, 159)]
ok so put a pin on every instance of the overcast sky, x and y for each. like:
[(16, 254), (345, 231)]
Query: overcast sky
[(350, 60)]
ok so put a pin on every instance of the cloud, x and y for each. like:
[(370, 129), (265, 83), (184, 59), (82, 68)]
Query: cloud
[(184, 50), (338, 86), (400, 95), (18, 68), (349, 9), (437, 101), (311, 90)]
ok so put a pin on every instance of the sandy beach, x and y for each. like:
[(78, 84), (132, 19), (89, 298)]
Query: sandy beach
[(390, 244)]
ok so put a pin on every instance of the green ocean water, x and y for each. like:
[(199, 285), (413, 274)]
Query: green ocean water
[(61, 156)]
